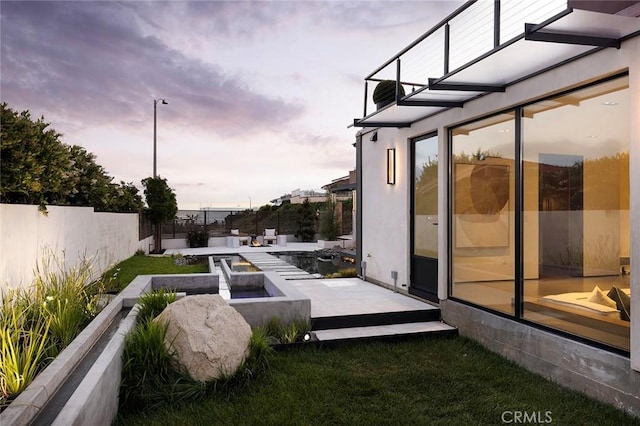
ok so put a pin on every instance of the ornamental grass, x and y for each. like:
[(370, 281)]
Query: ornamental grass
[(38, 322)]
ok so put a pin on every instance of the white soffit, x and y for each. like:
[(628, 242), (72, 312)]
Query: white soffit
[(515, 61), (585, 22), (525, 57), (510, 62), (400, 114), (443, 95)]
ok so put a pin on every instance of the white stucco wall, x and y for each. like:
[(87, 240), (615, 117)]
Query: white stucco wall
[(70, 233), (385, 209), (385, 219)]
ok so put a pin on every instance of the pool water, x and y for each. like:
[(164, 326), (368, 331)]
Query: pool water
[(249, 292), (310, 262), (307, 261)]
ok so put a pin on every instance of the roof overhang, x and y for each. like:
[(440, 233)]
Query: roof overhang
[(564, 37)]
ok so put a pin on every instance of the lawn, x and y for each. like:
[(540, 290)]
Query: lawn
[(124, 272), (434, 381)]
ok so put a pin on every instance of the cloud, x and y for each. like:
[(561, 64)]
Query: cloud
[(91, 61)]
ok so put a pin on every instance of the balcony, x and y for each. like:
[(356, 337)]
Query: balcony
[(484, 47)]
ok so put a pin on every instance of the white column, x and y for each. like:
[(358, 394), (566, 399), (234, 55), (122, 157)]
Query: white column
[(633, 53)]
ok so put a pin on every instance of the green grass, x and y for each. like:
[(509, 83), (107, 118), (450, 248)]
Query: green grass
[(124, 272), (437, 381)]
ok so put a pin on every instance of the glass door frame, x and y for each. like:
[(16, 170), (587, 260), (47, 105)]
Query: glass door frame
[(430, 294)]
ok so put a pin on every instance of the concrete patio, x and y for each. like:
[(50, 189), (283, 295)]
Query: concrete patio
[(346, 308)]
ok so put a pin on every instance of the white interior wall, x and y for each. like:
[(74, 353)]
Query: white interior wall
[(69, 233)]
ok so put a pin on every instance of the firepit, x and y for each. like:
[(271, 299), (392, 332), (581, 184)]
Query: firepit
[(254, 242)]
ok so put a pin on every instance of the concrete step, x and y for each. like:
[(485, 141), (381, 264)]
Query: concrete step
[(431, 328), (375, 319)]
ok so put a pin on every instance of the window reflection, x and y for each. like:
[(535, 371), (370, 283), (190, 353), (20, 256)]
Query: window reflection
[(426, 198), (575, 219), (483, 217), (576, 212)]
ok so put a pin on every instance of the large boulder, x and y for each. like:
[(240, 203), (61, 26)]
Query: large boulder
[(211, 339)]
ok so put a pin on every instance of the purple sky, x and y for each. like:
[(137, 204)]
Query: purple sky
[(260, 93)]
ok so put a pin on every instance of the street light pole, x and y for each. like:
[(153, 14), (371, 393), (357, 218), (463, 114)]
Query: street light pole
[(155, 103)]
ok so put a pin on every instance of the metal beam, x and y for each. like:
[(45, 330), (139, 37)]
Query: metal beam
[(434, 84), (431, 103), (359, 123), (530, 33)]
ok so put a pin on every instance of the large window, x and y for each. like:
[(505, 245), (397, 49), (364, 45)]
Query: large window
[(483, 212), (564, 263), (576, 211)]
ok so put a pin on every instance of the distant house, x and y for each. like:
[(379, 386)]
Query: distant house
[(342, 188), (502, 181), (298, 196)]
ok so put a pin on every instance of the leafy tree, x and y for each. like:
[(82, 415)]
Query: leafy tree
[(37, 168), (329, 227), (162, 205), (87, 183), (306, 218), (127, 199), (34, 161)]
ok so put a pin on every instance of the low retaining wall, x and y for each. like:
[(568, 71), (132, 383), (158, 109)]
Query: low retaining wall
[(598, 373), (286, 303)]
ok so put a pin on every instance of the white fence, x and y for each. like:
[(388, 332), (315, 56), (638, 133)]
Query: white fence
[(69, 233)]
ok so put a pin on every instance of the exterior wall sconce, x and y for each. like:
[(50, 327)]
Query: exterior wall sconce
[(374, 137), (391, 166)]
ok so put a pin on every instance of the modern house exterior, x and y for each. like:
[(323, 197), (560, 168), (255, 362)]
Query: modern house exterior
[(502, 182)]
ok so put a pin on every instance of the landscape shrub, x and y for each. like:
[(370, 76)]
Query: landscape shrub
[(278, 333), (39, 322), (197, 239), (152, 376)]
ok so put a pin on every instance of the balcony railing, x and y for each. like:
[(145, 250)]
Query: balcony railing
[(427, 70)]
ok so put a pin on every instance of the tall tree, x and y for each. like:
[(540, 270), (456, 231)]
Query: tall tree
[(127, 199), (162, 205), (329, 227), (37, 168), (306, 221), (88, 183), (34, 161)]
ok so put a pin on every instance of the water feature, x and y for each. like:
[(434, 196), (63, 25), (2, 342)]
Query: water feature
[(245, 293), (237, 263), (316, 262)]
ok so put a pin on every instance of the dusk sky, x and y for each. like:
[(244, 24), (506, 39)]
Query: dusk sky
[(260, 93)]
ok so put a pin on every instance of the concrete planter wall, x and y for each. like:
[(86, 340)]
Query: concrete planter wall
[(95, 399), (327, 244), (285, 301)]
